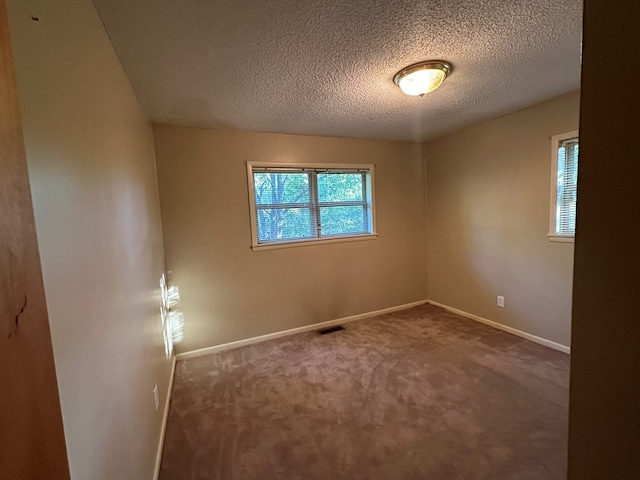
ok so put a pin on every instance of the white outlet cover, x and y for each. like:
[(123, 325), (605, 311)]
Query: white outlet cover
[(500, 301)]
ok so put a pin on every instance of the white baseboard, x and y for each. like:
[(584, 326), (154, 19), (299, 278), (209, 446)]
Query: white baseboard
[(505, 328), (165, 417), (292, 331)]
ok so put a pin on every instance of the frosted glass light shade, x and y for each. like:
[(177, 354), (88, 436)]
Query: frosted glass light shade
[(422, 78)]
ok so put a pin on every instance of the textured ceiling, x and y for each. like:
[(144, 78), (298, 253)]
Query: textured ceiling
[(326, 67)]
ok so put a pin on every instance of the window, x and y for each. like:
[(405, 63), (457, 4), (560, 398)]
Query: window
[(564, 187), (293, 203)]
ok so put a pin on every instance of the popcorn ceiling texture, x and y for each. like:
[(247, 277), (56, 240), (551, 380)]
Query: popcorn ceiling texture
[(326, 67)]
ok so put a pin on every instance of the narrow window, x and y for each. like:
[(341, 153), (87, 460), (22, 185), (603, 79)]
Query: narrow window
[(564, 187), (291, 204)]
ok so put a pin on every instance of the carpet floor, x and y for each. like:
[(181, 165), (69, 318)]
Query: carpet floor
[(416, 394)]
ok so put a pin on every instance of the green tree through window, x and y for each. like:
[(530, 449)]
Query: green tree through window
[(283, 206), (310, 203)]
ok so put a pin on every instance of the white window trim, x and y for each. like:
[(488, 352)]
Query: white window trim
[(310, 241), (553, 198)]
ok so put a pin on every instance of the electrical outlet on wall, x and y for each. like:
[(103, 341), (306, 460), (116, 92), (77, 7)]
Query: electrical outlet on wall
[(156, 398), (501, 301)]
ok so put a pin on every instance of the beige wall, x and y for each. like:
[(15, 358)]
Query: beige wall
[(604, 406), (488, 216), (91, 163), (231, 292)]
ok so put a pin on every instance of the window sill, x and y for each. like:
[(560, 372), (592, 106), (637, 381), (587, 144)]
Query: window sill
[(313, 241), (561, 238)]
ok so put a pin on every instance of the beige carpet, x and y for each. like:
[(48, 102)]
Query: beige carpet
[(417, 394)]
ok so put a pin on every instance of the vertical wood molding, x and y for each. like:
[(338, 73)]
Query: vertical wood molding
[(604, 403), (32, 438)]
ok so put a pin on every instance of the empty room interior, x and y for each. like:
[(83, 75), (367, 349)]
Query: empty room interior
[(269, 251)]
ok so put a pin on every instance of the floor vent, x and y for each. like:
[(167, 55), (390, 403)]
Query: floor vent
[(324, 331)]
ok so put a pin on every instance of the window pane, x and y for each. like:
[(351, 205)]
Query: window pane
[(339, 187), (567, 187), (343, 220), (283, 224), (274, 188)]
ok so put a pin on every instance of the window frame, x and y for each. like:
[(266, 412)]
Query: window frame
[(369, 201), (556, 140)]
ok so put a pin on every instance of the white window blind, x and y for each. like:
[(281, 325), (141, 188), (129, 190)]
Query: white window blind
[(305, 203), (567, 187), (564, 186)]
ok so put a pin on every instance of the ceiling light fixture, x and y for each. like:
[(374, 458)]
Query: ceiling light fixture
[(423, 77)]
